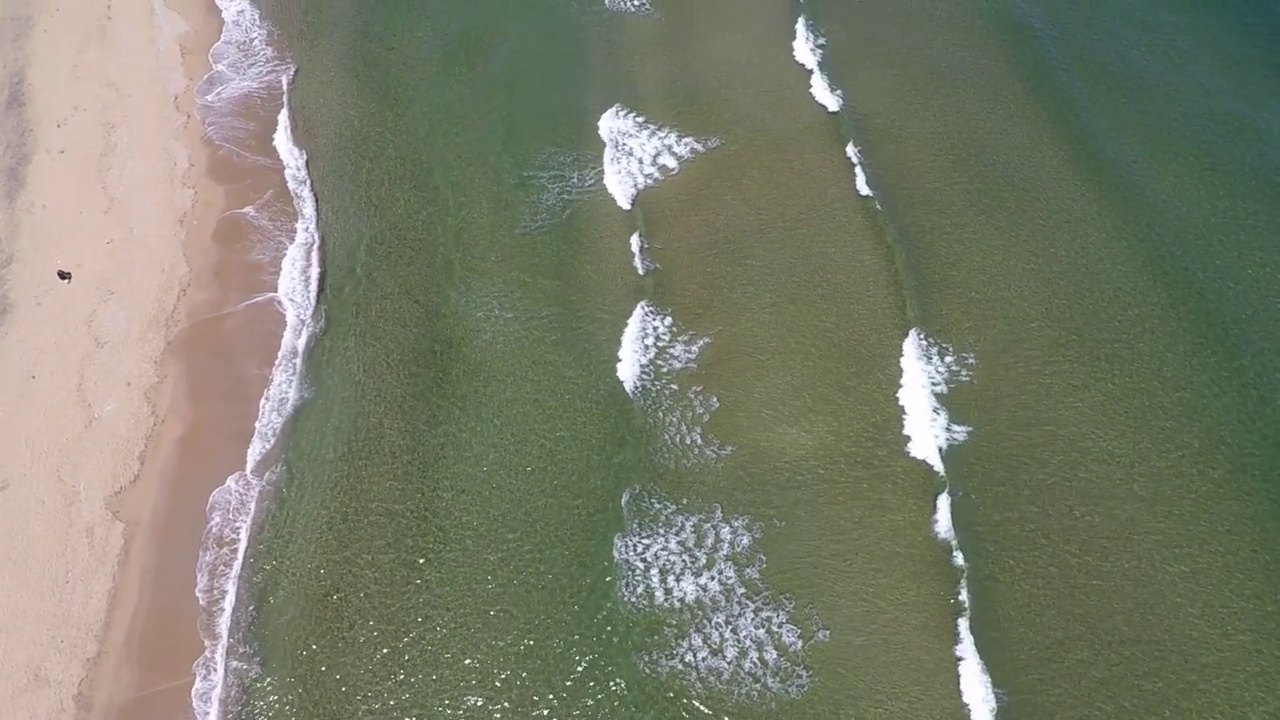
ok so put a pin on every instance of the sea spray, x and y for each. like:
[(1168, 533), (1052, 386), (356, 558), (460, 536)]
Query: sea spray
[(653, 355), (929, 369), (232, 507), (638, 153), (806, 48), (721, 629)]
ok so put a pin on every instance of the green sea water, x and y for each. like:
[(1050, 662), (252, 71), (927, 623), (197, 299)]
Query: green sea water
[(1089, 197), (1081, 200)]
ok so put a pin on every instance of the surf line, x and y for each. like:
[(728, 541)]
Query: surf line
[(929, 370), (807, 49), (248, 72)]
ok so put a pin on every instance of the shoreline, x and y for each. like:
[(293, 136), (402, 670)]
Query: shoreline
[(135, 399), (217, 363)]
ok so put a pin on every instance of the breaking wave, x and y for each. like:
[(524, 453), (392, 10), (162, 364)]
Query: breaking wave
[(638, 153), (806, 48), (859, 174), (929, 369), (652, 356), (642, 264)]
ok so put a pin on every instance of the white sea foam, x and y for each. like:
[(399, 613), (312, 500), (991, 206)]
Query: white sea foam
[(639, 346), (699, 574), (859, 174), (638, 153), (231, 507), (642, 264), (977, 691), (652, 356), (929, 369), (653, 348), (806, 48), (636, 7), (244, 80)]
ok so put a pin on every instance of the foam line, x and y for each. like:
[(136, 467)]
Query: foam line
[(232, 506), (929, 369), (859, 174), (698, 575), (642, 264), (806, 48)]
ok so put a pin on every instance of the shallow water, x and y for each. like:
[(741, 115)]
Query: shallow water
[(504, 497)]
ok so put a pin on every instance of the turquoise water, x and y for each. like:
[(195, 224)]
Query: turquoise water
[(481, 516)]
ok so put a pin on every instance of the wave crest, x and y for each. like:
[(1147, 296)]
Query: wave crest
[(638, 153)]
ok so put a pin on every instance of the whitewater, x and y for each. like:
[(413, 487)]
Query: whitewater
[(247, 73), (642, 264), (807, 49), (639, 153), (929, 369), (654, 355), (698, 575)]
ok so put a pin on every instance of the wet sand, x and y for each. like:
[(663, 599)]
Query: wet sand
[(129, 393)]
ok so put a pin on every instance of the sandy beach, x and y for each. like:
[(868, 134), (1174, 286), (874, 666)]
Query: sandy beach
[(123, 407)]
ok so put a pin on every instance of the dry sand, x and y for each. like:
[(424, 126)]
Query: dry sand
[(102, 174)]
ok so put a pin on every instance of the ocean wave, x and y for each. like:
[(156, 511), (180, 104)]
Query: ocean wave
[(859, 174), (242, 88), (653, 354), (806, 48), (929, 369), (638, 153), (232, 506), (642, 264), (723, 631), (977, 692)]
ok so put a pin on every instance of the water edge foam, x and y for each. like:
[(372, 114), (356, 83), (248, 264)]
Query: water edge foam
[(244, 76), (232, 506)]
